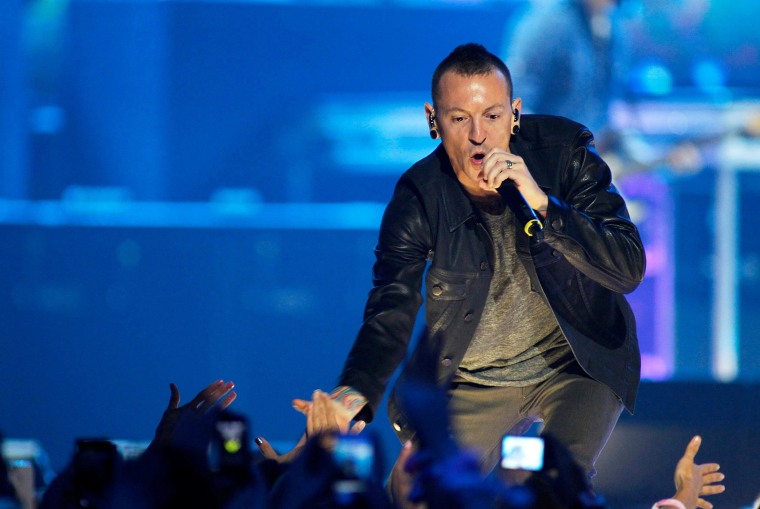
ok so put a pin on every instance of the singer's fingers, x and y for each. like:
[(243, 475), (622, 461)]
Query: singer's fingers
[(497, 156), (500, 165), (495, 172), (496, 178)]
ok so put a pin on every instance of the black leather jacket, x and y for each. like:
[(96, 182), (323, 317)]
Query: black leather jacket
[(590, 255)]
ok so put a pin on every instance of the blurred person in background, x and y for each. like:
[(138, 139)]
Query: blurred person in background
[(568, 58), (581, 70)]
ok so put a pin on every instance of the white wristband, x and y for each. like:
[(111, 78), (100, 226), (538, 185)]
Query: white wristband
[(669, 502)]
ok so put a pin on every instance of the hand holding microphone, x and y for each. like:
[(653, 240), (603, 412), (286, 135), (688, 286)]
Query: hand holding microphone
[(507, 174)]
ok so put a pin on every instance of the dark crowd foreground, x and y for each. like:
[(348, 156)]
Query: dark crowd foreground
[(200, 458)]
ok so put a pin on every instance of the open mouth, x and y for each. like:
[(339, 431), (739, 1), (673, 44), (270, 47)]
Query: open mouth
[(476, 160)]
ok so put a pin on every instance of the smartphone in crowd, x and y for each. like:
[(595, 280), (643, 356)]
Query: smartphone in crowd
[(355, 456), (230, 448), (95, 465), (522, 453)]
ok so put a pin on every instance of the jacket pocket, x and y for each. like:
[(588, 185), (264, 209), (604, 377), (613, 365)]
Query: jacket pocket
[(441, 286), (444, 294)]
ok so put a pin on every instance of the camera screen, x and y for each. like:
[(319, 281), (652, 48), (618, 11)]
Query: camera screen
[(354, 455), (232, 435), (229, 451), (522, 453)]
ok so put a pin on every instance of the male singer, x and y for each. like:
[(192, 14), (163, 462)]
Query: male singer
[(529, 327)]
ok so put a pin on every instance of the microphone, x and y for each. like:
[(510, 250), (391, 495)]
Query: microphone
[(524, 215)]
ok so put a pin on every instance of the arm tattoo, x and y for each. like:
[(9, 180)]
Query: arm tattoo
[(350, 398)]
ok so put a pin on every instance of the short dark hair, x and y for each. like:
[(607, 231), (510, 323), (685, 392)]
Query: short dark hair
[(470, 59)]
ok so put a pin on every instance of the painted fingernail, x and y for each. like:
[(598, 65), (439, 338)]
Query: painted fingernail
[(258, 440)]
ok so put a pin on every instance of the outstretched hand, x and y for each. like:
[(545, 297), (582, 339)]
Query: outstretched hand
[(324, 416), (345, 402), (327, 415), (696, 481), (217, 395)]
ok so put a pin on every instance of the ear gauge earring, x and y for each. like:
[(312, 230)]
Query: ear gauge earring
[(516, 127), (433, 131)]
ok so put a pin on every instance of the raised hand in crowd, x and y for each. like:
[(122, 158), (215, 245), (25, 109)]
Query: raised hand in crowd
[(345, 401), (323, 416), (218, 395), (327, 416), (694, 481)]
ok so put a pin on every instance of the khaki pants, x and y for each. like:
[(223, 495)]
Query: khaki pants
[(579, 411)]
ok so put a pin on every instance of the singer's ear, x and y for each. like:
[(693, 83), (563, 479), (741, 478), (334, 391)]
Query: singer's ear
[(431, 121), (516, 113)]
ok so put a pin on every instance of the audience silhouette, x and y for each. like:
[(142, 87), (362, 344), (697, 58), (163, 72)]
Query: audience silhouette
[(200, 457)]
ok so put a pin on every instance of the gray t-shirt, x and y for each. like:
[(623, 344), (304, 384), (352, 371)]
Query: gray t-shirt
[(518, 341)]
